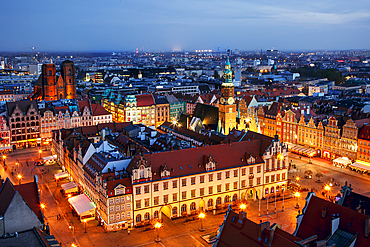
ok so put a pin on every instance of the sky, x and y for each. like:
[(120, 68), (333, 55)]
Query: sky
[(166, 25)]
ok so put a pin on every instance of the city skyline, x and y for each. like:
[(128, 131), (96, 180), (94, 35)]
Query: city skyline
[(167, 26)]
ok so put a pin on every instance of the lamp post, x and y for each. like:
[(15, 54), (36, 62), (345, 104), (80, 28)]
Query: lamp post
[(259, 207), (40, 151), (275, 200), (327, 188), (297, 194), (283, 189), (19, 176), (267, 207), (4, 157), (157, 226), (201, 217), (85, 224), (73, 230)]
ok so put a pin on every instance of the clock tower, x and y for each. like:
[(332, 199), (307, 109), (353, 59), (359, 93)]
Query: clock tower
[(227, 106)]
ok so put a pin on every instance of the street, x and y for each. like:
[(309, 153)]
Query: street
[(68, 230)]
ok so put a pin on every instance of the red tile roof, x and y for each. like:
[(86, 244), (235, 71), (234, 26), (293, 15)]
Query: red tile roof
[(144, 100), (190, 161), (6, 195), (98, 110), (314, 224), (244, 232), (29, 193), (82, 104)]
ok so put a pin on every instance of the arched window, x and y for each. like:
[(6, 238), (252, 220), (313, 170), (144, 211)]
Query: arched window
[(227, 199), (272, 189), (174, 211), (235, 197), (183, 208), (193, 206), (138, 218), (277, 188), (210, 202), (146, 216), (141, 171), (50, 73), (218, 201), (267, 191), (69, 71), (155, 214)]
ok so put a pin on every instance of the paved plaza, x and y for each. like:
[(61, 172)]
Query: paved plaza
[(177, 232)]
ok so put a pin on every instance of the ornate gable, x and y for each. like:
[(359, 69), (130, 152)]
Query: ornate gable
[(141, 170), (210, 163), (250, 158), (165, 171)]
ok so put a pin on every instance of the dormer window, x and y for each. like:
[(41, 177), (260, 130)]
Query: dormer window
[(141, 171), (211, 163)]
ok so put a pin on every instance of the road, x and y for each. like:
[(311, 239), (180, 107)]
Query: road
[(175, 232)]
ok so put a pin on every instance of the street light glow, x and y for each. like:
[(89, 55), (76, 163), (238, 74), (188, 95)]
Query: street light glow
[(4, 157), (242, 206), (327, 187), (202, 215), (157, 225), (297, 194), (42, 205), (19, 176), (297, 178), (40, 151)]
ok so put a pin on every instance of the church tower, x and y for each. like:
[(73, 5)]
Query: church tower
[(48, 84), (68, 72), (227, 107)]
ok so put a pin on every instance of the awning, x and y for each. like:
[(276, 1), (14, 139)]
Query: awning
[(82, 204), (51, 157), (342, 160), (70, 187), (361, 165), (301, 149), (61, 175)]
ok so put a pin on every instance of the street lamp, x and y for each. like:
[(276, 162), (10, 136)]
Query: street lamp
[(283, 189), (201, 217), (73, 229), (327, 188), (42, 206), (40, 151), (19, 176), (4, 157), (85, 224), (157, 226), (297, 194), (242, 207)]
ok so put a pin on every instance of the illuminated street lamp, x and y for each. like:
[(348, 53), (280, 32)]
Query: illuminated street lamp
[(19, 176), (85, 221), (42, 206), (73, 229), (157, 226), (201, 217), (327, 188), (4, 157), (40, 151), (242, 207), (297, 195)]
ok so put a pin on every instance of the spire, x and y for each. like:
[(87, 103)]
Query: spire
[(228, 74)]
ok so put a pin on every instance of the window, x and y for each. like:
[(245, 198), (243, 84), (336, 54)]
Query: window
[(111, 201), (250, 170), (117, 208), (272, 178), (138, 203), (111, 209), (219, 176), (122, 207), (183, 182), (138, 190), (192, 193), (165, 186), (244, 171), (251, 182), (210, 177), (219, 188), (146, 189), (277, 177), (156, 187), (117, 200), (123, 215), (201, 179), (227, 187), (201, 192), (183, 195), (235, 186), (174, 184), (192, 180), (146, 202), (235, 173), (156, 200), (258, 181), (267, 179), (243, 183), (165, 199), (174, 197), (193, 206), (227, 174), (258, 169), (141, 171)]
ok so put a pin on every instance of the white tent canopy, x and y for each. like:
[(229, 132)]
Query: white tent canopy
[(61, 175), (360, 165), (342, 160), (70, 187), (51, 157), (82, 204)]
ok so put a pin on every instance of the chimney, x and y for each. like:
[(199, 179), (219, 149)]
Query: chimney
[(323, 213), (242, 216), (367, 227), (261, 227), (334, 223)]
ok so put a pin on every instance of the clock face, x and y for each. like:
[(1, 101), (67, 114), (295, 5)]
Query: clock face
[(230, 101), (222, 100)]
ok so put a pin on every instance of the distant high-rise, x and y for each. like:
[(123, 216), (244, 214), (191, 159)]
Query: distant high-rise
[(51, 86), (272, 54)]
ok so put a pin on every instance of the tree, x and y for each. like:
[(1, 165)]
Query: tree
[(319, 175)]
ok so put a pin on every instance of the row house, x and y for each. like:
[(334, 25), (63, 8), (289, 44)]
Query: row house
[(349, 140), (363, 150), (4, 135), (162, 110), (48, 125), (332, 139), (311, 133), (187, 181), (24, 123)]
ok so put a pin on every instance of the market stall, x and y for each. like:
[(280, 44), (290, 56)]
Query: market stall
[(360, 166), (342, 162), (61, 175), (84, 208), (70, 188)]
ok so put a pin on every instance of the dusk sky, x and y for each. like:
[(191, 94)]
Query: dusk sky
[(120, 25)]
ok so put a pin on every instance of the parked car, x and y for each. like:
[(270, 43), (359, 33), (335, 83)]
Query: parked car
[(39, 163)]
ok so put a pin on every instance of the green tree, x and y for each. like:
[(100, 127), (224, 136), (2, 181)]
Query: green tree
[(216, 75)]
